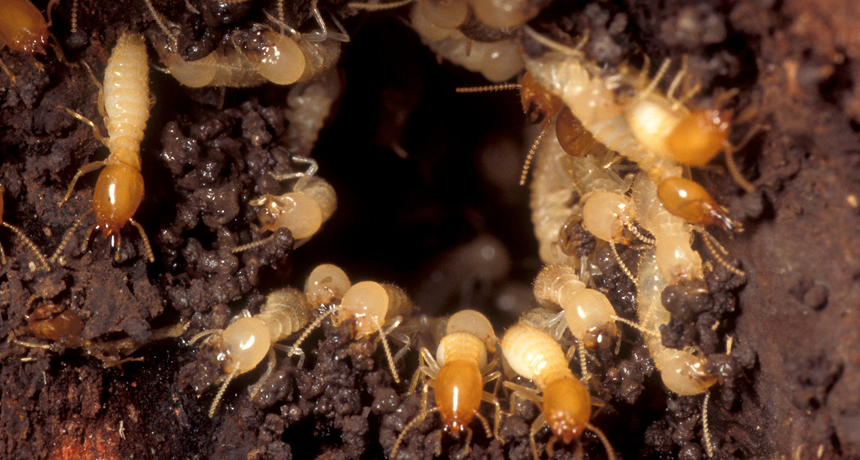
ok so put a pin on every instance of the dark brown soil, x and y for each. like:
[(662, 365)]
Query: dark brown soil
[(789, 389)]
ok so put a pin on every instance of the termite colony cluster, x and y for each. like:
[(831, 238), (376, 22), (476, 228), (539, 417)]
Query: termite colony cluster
[(623, 291)]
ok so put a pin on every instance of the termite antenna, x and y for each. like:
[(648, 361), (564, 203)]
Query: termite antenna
[(252, 245), (378, 6), (552, 44), (294, 349), (636, 326), (622, 264), (709, 447), (68, 236), (412, 423), (664, 67), (29, 243), (610, 453), (147, 248), (635, 231), (162, 24), (222, 390), (528, 163), (388, 355), (710, 241), (488, 88), (280, 23)]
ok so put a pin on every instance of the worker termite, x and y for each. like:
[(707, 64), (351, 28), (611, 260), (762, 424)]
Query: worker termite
[(458, 375), (565, 403), (252, 58), (372, 307), (249, 339), (22, 28), (311, 202), (498, 61), (682, 372), (326, 285), (21, 234), (119, 188), (588, 314)]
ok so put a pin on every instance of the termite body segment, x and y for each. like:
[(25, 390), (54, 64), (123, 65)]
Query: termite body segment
[(458, 374), (119, 188), (29, 243), (588, 313), (373, 307), (247, 340), (682, 372), (565, 402)]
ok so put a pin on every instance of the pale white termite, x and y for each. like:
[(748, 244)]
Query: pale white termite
[(682, 372), (458, 375), (498, 61), (565, 403), (119, 188), (371, 307), (249, 339), (303, 210), (589, 315)]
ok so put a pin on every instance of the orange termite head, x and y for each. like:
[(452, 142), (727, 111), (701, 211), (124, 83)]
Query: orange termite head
[(567, 408), (22, 27), (538, 103), (699, 136), (118, 193), (690, 201), (459, 387)]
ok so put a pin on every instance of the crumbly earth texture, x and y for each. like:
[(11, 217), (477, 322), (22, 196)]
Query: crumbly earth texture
[(788, 389)]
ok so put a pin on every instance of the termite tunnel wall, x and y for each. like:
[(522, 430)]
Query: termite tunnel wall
[(427, 183)]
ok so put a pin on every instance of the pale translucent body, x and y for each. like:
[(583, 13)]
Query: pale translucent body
[(246, 341), (497, 61), (534, 355), (682, 372), (588, 312), (126, 99), (475, 324), (605, 214)]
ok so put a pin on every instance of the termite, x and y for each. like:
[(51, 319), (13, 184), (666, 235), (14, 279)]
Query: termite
[(589, 315), (565, 403), (265, 55), (682, 372), (119, 188), (20, 234), (657, 132), (326, 285), (458, 375), (22, 28), (63, 327), (497, 61), (249, 339), (311, 202), (373, 307)]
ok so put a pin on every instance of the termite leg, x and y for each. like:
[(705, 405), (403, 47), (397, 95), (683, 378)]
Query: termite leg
[(68, 236), (146, 245), (270, 367)]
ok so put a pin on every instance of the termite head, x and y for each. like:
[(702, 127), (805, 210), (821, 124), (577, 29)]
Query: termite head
[(243, 345), (690, 201), (446, 14), (118, 193), (538, 103), (53, 322), (572, 135), (22, 27), (276, 57), (296, 211), (567, 408), (458, 394), (700, 136), (367, 303)]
